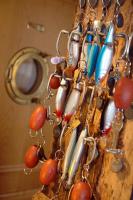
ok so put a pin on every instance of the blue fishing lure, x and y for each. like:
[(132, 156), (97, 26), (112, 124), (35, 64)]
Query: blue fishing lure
[(105, 56)]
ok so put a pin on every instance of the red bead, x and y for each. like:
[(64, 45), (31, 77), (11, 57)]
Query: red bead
[(81, 191), (123, 95), (54, 82), (31, 157), (48, 172), (38, 118)]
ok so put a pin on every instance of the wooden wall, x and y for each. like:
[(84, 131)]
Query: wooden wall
[(110, 185), (14, 138)]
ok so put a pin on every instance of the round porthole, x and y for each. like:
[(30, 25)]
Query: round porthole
[(26, 76)]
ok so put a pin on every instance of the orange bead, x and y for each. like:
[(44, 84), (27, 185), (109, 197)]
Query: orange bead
[(54, 82), (31, 157), (123, 95), (48, 172), (69, 72), (81, 191), (38, 118)]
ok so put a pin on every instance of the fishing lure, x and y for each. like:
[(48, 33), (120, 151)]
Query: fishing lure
[(72, 102), (82, 189), (109, 115), (78, 152), (94, 50), (61, 98), (105, 56), (87, 44), (74, 46), (68, 154)]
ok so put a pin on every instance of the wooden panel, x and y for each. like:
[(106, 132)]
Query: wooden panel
[(14, 16)]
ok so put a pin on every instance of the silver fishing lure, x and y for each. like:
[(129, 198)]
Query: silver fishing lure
[(74, 46), (72, 102), (78, 151), (68, 154), (109, 114), (61, 98)]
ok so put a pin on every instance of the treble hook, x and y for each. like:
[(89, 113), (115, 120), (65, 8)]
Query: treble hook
[(125, 36), (125, 54), (58, 40), (91, 139), (128, 45)]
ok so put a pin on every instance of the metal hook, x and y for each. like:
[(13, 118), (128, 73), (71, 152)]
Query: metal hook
[(91, 139), (41, 140), (62, 134), (84, 61), (50, 119), (69, 194), (123, 35), (128, 45), (27, 171), (41, 132), (50, 94), (33, 134), (59, 154), (58, 40)]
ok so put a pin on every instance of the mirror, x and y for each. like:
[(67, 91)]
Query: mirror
[(26, 76)]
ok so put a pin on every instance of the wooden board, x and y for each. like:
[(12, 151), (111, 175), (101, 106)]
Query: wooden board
[(110, 185)]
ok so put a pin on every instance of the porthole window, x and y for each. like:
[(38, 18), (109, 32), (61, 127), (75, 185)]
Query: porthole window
[(26, 76)]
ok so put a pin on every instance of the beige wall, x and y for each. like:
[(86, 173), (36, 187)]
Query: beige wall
[(14, 138)]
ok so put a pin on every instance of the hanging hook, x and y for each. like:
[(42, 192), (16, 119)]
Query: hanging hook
[(58, 40), (33, 134)]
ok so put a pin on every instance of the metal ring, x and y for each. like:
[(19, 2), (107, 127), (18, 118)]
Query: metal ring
[(69, 194), (33, 134), (91, 139), (59, 151), (27, 171)]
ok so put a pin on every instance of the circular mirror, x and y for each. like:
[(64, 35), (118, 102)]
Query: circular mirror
[(26, 76)]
